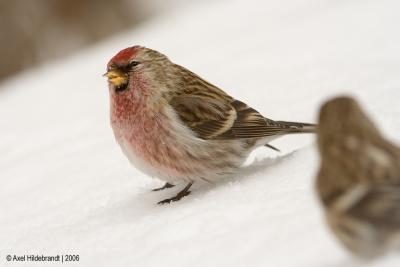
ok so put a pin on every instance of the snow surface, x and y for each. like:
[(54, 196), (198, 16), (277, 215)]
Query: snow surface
[(67, 188)]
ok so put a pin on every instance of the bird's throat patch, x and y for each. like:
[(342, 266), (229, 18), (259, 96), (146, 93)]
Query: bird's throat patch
[(121, 87)]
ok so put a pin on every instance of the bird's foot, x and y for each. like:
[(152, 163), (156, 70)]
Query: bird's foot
[(167, 185), (184, 192)]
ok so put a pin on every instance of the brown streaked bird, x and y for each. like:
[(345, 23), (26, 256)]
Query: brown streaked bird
[(359, 179), (175, 126)]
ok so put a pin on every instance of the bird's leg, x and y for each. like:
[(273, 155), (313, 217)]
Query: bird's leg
[(184, 192), (167, 185)]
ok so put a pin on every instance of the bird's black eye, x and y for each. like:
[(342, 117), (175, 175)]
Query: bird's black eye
[(133, 64)]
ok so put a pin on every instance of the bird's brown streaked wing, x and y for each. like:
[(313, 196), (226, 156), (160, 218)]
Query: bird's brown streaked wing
[(207, 117), (251, 124), (223, 118), (380, 206)]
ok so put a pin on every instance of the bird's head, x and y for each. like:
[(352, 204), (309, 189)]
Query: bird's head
[(343, 126), (344, 116), (134, 67)]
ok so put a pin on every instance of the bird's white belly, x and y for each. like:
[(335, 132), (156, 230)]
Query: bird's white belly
[(171, 152)]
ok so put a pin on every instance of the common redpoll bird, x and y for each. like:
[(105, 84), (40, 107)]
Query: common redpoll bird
[(359, 179), (174, 125)]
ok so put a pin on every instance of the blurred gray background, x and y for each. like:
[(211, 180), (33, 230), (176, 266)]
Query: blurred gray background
[(35, 31)]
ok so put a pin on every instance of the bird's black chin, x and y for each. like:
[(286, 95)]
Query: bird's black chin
[(121, 88)]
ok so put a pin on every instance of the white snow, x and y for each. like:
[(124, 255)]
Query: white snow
[(66, 187)]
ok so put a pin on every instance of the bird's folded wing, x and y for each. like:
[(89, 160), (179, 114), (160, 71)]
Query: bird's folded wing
[(223, 118), (380, 205)]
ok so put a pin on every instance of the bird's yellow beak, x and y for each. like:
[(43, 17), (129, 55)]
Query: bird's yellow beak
[(116, 77)]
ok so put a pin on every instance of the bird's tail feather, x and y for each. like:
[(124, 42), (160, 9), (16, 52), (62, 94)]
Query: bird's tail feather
[(299, 127)]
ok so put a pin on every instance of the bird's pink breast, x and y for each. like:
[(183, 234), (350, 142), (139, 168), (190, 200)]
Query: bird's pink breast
[(146, 135)]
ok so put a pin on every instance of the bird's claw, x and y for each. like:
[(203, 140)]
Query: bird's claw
[(178, 197), (167, 185)]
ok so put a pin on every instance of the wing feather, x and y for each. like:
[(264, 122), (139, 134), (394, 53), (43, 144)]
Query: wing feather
[(223, 118), (379, 205), (212, 114)]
